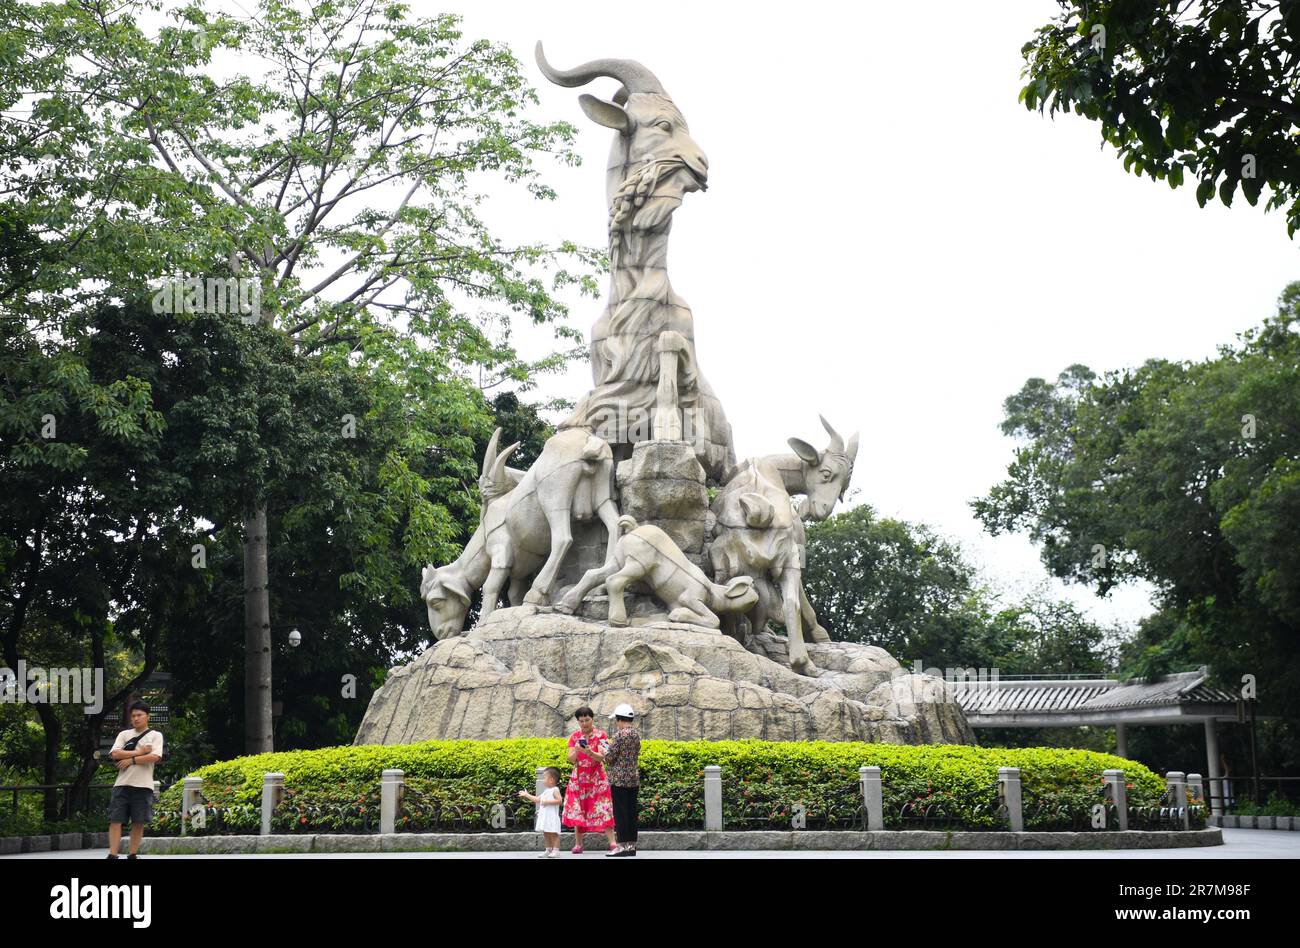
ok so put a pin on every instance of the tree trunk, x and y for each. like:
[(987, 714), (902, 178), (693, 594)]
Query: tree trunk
[(77, 799), (50, 762), (258, 738)]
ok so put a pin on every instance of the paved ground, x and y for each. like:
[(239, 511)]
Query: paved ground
[(1237, 844)]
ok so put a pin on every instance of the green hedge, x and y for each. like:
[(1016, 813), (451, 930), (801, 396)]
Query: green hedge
[(472, 785)]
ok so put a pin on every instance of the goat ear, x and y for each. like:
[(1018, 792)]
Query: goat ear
[(807, 453), (453, 587), (432, 589), (605, 113), (740, 586)]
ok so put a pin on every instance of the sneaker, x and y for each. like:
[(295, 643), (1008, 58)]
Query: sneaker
[(112, 855), (614, 852), (543, 854), (554, 854)]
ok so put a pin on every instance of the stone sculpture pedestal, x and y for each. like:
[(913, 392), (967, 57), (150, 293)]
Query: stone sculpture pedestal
[(663, 484), (523, 673)]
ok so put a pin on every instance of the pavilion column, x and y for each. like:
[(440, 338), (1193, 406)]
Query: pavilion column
[(1214, 772), (1121, 739)]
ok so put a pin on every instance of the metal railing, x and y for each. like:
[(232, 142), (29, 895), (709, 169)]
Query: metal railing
[(14, 791), (1225, 794)]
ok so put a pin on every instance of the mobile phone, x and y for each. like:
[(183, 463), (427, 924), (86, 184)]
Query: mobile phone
[(582, 742)]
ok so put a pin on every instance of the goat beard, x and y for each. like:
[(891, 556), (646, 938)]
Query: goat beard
[(648, 196), (655, 212)]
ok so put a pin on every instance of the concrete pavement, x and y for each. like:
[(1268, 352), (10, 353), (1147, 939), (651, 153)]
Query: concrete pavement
[(1237, 844)]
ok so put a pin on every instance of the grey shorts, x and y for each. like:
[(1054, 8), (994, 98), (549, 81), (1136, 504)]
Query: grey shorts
[(133, 802)]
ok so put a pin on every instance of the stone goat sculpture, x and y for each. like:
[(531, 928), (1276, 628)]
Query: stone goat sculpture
[(645, 326), (648, 554), (526, 524), (759, 534)]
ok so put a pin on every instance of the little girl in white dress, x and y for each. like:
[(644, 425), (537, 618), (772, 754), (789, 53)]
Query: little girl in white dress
[(549, 803)]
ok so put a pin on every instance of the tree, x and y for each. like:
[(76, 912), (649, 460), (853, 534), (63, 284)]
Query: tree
[(904, 588), (1203, 90), (1181, 474), (88, 519), (892, 584), (336, 177)]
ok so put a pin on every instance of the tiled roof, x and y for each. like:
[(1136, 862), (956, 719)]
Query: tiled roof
[(1079, 696)]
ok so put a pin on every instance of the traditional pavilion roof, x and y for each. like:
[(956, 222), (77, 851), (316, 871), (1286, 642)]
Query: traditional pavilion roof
[(1169, 699)]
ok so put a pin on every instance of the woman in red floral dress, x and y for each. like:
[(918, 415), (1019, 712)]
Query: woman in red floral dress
[(588, 803)]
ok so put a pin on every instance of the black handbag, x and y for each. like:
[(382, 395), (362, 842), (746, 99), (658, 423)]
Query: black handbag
[(134, 742)]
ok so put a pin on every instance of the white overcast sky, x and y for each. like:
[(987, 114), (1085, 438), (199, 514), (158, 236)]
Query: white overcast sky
[(889, 238)]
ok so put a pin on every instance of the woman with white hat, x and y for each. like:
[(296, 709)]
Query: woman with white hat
[(624, 777)]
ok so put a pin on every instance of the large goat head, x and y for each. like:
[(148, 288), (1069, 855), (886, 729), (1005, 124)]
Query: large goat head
[(654, 160), (826, 473)]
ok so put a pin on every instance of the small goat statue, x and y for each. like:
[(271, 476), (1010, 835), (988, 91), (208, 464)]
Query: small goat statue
[(648, 554), (526, 524), (758, 533)]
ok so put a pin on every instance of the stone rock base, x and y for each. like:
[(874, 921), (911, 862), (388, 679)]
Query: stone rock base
[(523, 673)]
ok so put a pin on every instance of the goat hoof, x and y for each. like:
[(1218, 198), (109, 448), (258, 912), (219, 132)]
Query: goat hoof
[(618, 623), (819, 634), (804, 666)]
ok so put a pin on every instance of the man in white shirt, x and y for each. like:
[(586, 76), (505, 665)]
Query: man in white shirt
[(135, 751)]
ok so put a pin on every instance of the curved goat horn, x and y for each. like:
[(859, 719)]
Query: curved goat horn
[(634, 76), (852, 449), (837, 443), (498, 475), (490, 455)]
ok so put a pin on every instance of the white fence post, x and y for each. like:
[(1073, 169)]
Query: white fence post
[(272, 793), (872, 797), (1196, 790), (191, 795), (713, 799), (1009, 790), (390, 794), (1176, 787), (1117, 794)]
